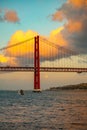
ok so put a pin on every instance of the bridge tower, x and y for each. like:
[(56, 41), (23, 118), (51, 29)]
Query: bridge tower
[(36, 65)]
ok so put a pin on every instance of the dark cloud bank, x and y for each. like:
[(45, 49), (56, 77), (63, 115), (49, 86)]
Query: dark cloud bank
[(74, 13)]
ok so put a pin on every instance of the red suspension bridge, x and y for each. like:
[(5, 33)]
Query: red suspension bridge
[(37, 54)]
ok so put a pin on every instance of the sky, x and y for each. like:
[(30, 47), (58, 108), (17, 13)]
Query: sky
[(60, 21), (29, 15)]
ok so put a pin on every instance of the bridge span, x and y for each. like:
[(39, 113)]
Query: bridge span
[(43, 69)]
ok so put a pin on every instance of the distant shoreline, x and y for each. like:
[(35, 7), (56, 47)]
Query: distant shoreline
[(70, 87)]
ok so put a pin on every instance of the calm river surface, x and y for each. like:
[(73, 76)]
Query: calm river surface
[(49, 110)]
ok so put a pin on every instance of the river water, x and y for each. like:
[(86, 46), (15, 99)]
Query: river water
[(48, 110)]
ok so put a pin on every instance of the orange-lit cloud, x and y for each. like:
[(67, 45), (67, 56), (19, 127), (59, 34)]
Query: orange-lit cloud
[(75, 28), (58, 16), (7, 60), (24, 48), (22, 51), (78, 3), (9, 16), (18, 54), (57, 37), (3, 59)]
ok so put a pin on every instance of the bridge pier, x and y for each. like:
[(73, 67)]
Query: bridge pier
[(36, 65)]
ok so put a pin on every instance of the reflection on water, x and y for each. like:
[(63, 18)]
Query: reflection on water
[(49, 110)]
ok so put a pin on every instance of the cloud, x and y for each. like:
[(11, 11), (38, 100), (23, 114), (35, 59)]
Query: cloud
[(24, 52), (78, 3), (6, 60), (75, 28), (3, 59), (58, 16), (57, 37), (9, 16), (18, 37)]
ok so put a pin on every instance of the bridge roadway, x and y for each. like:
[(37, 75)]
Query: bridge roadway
[(43, 69)]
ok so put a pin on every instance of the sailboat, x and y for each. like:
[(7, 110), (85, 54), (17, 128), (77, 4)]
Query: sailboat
[(21, 92)]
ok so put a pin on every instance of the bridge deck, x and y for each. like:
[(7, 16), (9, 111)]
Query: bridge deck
[(44, 69)]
